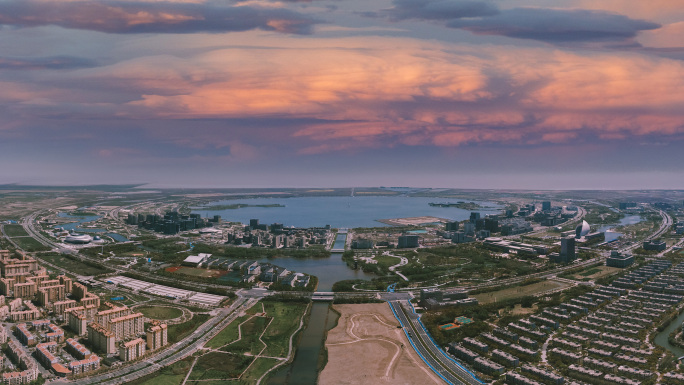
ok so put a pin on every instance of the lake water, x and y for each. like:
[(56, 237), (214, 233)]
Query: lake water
[(328, 270), (117, 237), (341, 212), (613, 235), (78, 221)]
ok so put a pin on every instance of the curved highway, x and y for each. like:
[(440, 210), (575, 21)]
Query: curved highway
[(439, 362)]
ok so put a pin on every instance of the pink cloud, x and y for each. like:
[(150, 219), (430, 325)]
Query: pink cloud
[(383, 92)]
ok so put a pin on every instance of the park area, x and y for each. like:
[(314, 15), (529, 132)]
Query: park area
[(160, 312), (596, 272), (73, 265), (251, 345), (520, 291), (15, 231), (29, 244)]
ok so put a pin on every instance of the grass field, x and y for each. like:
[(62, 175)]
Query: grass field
[(30, 244), (519, 291), (249, 343), (384, 261), (589, 272), (173, 374), (179, 331), (15, 231), (196, 272), (160, 312), (258, 368), (220, 366), (73, 266), (286, 318), (280, 322), (227, 335), (597, 272)]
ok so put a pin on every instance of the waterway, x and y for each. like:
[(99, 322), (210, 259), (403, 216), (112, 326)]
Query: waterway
[(340, 212), (614, 235), (340, 241), (661, 338), (78, 221), (328, 270), (117, 237), (307, 362)]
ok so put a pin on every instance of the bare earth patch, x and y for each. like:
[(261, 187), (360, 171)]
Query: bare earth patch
[(366, 347)]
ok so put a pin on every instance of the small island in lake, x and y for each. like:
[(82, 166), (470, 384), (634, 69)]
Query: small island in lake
[(460, 205), (236, 206)]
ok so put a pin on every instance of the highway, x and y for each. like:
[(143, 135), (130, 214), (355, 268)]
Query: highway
[(664, 226), (435, 357)]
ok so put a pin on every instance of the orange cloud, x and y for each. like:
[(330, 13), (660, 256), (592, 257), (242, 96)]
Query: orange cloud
[(374, 92)]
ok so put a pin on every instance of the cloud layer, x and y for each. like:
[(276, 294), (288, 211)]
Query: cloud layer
[(543, 24), (555, 25), (381, 93), (151, 17), (183, 84), (439, 9)]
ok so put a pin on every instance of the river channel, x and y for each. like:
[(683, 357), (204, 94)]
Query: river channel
[(308, 360), (662, 338)]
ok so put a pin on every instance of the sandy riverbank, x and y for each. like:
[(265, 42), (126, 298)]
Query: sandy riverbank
[(366, 347)]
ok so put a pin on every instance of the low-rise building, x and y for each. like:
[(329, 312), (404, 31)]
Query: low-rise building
[(83, 366), (77, 349), (488, 367)]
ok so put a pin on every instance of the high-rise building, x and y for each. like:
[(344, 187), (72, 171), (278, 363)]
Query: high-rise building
[(127, 326), (407, 241), (131, 350), (132, 219), (78, 323), (474, 217), (157, 335), (451, 226), (567, 253), (469, 228), (546, 205), (491, 223), (103, 317), (101, 339)]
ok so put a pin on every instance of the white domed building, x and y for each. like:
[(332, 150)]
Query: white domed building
[(582, 230), (80, 239)]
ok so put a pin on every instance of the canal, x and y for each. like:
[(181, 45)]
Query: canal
[(309, 358), (661, 339)]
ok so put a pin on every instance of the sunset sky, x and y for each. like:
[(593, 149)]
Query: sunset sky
[(441, 93)]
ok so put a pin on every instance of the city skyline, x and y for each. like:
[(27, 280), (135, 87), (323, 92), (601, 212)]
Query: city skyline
[(434, 93)]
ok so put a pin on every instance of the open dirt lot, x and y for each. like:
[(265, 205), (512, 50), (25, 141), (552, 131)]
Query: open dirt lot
[(597, 272), (366, 347)]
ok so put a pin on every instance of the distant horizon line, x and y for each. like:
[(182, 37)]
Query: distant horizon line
[(133, 186)]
